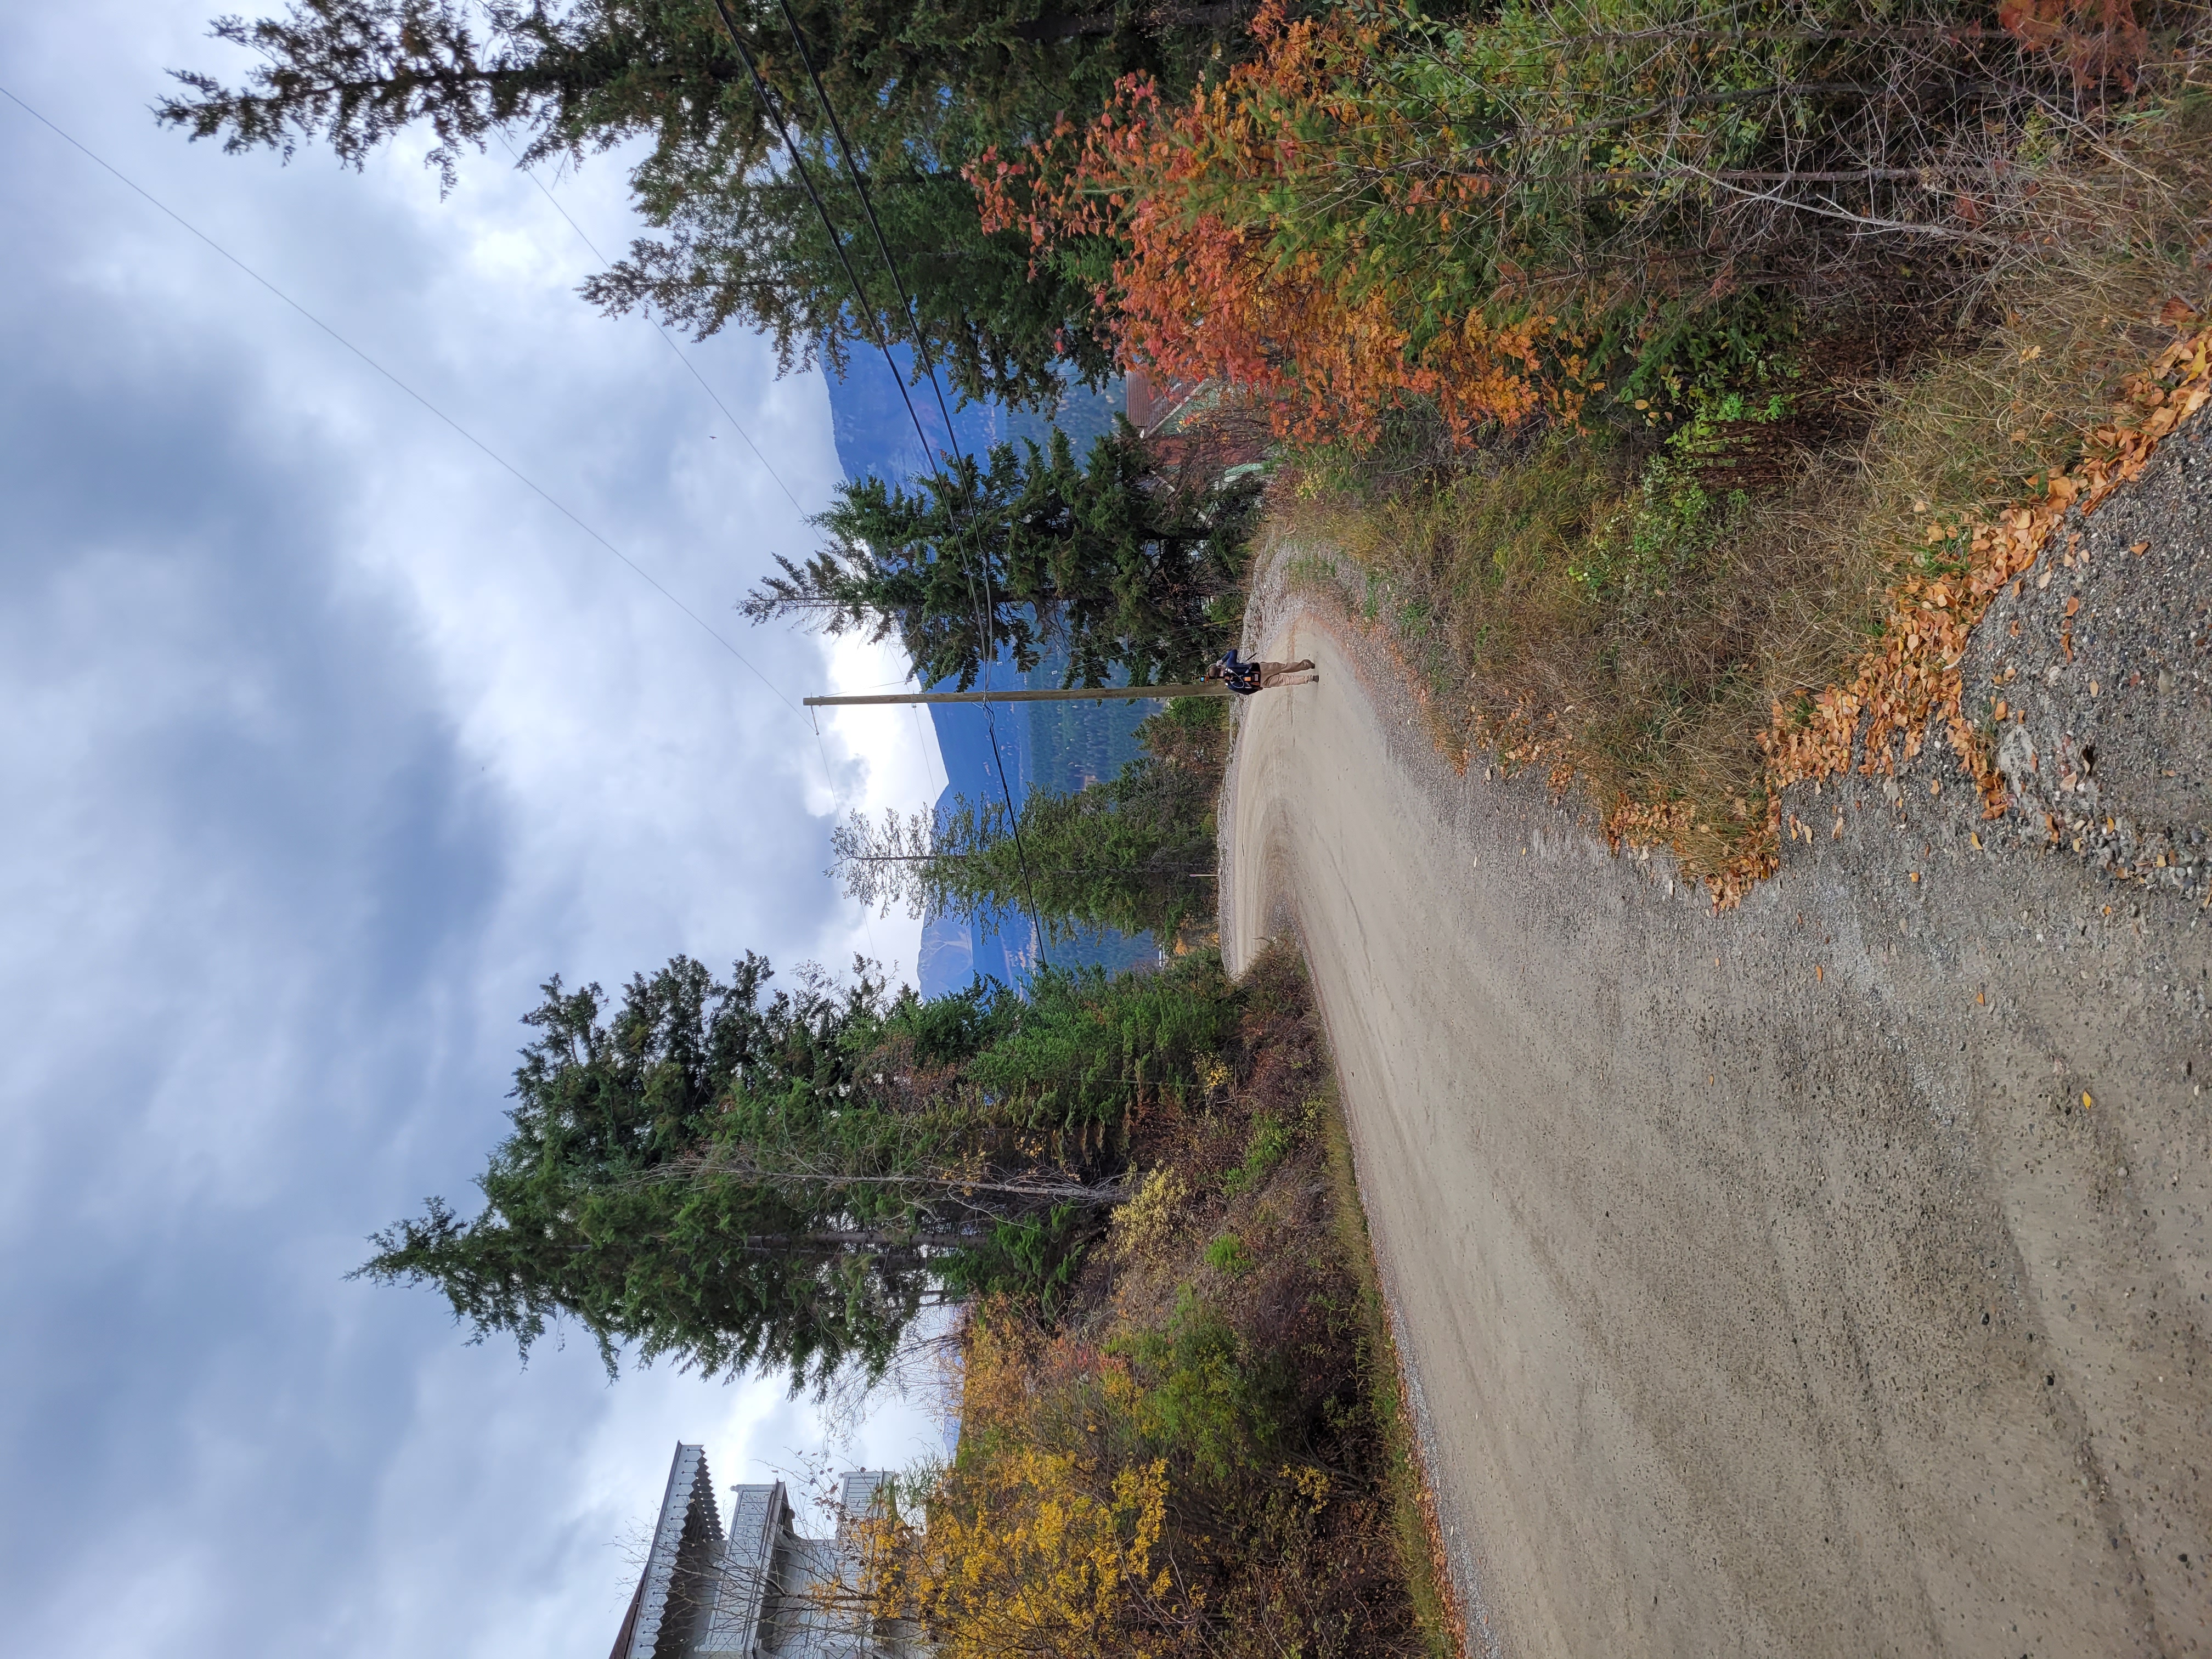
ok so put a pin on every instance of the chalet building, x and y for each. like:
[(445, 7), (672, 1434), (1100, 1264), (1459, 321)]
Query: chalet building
[(759, 1590), (1182, 424), (1157, 408)]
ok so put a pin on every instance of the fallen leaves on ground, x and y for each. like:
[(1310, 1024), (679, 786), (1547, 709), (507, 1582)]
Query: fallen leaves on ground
[(1911, 678)]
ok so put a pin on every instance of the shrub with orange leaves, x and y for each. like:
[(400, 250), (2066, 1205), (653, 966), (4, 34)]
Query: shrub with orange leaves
[(2096, 39), (1268, 235), (1547, 204)]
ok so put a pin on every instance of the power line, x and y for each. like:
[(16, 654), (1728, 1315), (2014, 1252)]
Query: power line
[(821, 748), (883, 245), (866, 311), (516, 472), (988, 610), (660, 328), (836, 242)]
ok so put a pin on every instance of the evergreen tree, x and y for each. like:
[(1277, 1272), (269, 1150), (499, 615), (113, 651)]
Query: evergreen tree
[(756, 254), (922, 87), (1028, 549), (1135, 854), (728, 1179)]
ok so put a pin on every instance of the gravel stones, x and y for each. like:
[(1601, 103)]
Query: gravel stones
[(2100, 660)]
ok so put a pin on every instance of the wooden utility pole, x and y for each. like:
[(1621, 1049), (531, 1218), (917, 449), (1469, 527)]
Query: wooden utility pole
[(1082, 693)]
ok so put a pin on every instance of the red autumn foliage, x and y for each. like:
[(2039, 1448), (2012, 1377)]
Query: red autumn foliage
[(1225, 270), (2097, 39)]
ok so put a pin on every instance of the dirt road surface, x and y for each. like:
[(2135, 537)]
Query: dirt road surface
[(1830, 1276)]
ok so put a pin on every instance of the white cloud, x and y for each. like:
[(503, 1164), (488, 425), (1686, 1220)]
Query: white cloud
[(324, 740)]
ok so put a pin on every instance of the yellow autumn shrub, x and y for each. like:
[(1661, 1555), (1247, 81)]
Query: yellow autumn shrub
[(1018, 1558)]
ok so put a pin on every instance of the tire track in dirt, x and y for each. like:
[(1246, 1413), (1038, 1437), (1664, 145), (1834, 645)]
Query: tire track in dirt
[(1830, 1275)]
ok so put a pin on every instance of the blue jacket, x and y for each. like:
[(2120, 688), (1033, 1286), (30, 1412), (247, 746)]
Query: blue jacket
[(1243, 677)]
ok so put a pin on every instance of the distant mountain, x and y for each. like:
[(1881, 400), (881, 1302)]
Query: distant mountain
[(875, 434), (1057, 746)]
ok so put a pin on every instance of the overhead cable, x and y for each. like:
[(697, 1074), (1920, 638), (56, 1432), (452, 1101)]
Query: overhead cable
[(516, 472), (867, 312)]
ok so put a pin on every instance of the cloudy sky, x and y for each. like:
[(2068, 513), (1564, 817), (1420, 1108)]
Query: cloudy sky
[(323, 740)]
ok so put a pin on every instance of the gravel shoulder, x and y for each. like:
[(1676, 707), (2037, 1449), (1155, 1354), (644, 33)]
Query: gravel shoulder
[(1831, 1275)]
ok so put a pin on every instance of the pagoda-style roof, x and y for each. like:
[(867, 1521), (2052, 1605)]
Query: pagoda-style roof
[(676, 1585), (763, 1591)]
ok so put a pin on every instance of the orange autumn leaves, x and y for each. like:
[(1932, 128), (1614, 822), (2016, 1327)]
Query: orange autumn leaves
[(1912, 678), (2096, 39), (1911, 683), (1235, 258)]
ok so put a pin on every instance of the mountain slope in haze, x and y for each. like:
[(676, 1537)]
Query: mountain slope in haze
[(1056, 746)]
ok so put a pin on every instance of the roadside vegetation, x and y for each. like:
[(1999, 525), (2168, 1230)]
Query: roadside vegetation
[(1644, 369), (1203, 1452), (1180, 1430), (1657, 616)]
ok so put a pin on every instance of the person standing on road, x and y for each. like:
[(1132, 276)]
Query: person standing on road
[(1246, 677)]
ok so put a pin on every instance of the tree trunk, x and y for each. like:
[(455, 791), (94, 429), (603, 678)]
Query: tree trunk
[(1069, 26), (1065, 26)]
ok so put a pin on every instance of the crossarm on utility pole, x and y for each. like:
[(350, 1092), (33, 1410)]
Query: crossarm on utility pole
[(1081, 694)]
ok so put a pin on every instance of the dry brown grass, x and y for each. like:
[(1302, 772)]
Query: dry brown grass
[(1515, 589), (1416, 1536)]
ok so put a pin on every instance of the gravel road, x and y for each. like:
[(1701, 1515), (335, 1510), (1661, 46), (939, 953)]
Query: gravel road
[(1829, 1276)]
